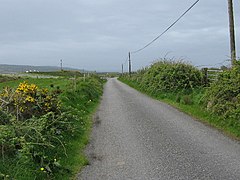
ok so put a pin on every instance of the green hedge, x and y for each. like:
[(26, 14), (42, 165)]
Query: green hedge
[(168, 76), (184, 86), (223, 96), (34, 147)]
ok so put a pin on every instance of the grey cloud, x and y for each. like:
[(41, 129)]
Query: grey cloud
[(98, 34)]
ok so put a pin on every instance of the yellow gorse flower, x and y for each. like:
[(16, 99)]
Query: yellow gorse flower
[(30, 99), (25, 87), (32, 87)]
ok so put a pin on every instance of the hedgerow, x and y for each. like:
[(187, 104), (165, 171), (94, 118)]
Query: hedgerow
[(223, 96), (32, 126), (184, 86), (37, 124), (168, 76)]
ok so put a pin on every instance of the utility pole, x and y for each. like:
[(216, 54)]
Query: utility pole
[(61, 62), (232, 32), (122, 69), (129, 65)]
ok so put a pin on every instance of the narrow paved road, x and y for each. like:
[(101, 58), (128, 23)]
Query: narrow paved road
[(136, 137)]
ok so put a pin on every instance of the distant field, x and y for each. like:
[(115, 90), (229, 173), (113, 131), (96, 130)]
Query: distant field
[(10, 69), (56, 78), (44, 83)]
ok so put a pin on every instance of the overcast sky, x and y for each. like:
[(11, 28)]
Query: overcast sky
[(98, 34)]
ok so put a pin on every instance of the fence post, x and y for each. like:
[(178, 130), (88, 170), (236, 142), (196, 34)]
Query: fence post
[(205, 76)]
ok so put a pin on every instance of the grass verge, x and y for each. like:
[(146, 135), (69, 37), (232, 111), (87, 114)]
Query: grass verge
[(85, 106)]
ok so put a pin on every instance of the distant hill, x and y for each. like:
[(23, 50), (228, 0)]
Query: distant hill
[(12, 69)]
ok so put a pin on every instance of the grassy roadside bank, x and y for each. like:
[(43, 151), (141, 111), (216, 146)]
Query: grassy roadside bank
[(190, 102), (49, 146), (83, 103)]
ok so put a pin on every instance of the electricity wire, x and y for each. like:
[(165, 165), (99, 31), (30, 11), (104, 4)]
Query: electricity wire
[(136, 51)]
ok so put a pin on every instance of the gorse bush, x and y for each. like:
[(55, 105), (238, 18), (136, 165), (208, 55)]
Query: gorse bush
[(32, 125), (28, 100)]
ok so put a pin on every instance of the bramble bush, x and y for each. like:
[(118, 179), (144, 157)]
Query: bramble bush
[(168, 76), (223, 96)]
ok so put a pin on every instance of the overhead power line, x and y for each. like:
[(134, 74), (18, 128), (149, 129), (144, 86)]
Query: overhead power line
[(166, 29)]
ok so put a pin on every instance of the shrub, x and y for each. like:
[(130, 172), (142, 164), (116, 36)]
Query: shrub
[(28, 100), (223, 96), (32, 126), (37, 130), (168, 76)]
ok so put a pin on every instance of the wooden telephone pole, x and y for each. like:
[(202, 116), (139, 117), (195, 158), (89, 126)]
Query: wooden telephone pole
[(232, 32), (122, 69), (129, 65)]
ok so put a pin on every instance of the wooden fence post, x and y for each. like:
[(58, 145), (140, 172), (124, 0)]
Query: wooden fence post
[(205, 76)]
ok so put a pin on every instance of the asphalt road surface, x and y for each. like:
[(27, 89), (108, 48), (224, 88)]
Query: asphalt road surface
[(136, 137)]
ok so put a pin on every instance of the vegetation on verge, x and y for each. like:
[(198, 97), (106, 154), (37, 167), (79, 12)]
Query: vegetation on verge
[(185, 87), (43, 130)]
